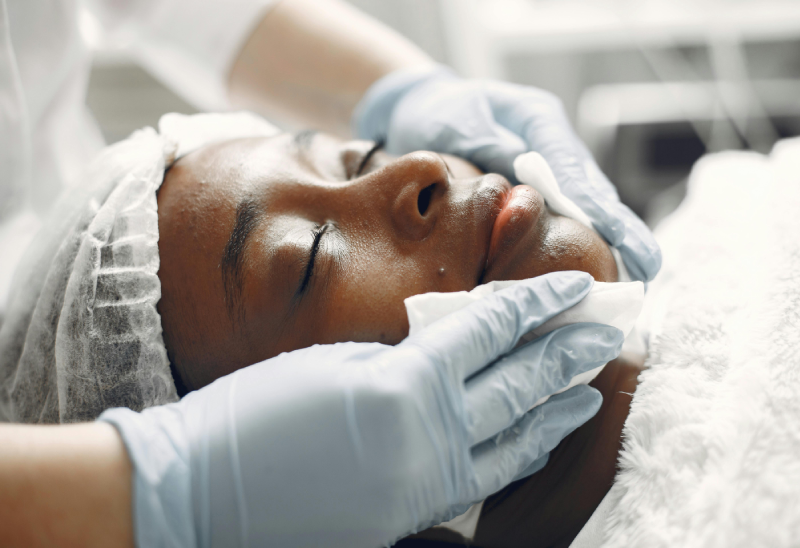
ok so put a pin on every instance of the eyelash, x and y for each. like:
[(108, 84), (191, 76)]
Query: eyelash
[(365, 160), (318, 233)]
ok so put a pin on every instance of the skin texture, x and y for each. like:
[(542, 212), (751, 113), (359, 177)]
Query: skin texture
[(64, 486), (401, 227)]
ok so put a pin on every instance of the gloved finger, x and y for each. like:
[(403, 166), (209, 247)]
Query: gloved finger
[(500, 395), (639, 249), (543, 124), (499, 460), (620, 226), (617, 223), (476, 137), (580, 179), (642, 260), (634, 239), (495, 151), (539, 118), (371, 117), (325, 355), (470, 339)]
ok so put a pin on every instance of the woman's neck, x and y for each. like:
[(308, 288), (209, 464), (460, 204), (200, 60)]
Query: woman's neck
[(551, 507)]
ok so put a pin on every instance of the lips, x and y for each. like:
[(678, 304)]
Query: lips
[(520, 210), (505, 217)]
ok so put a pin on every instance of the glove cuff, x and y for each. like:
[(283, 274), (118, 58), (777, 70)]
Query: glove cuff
[(373, 113), (161, 499)]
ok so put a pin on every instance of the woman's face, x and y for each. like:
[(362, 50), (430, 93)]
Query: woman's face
[(272, 244)]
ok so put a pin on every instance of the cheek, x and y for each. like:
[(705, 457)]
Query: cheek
[(366, 302), (569, 245)]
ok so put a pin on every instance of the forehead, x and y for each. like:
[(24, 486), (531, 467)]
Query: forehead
[(245, 165), (233, 165)]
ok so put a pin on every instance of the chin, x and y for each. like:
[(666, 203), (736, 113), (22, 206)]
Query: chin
[(565, 244)]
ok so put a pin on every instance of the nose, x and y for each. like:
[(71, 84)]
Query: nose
[(415, 185)]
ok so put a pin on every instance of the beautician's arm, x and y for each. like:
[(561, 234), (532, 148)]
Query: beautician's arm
[(64, 486), (309, 62)]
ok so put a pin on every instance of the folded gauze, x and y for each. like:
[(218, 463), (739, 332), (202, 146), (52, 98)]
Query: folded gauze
[(82, 333)]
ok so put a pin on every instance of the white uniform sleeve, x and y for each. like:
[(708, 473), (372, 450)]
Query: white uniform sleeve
[(190, 45)]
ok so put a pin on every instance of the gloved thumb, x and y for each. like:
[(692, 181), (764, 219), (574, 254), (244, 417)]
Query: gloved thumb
[(498, 153)]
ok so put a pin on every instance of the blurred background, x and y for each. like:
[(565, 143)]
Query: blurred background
[(650, 85)]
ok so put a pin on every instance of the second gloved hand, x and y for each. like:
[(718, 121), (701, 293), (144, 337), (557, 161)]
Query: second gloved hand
[(359, 444), (490, 123)]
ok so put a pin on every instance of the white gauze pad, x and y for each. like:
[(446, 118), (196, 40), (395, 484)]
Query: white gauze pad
[(615, 304)]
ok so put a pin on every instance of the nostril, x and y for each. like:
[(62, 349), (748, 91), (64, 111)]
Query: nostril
[(424, 199)]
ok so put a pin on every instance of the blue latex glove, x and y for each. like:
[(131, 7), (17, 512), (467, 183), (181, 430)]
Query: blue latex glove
[(359, 444), (490, 123)]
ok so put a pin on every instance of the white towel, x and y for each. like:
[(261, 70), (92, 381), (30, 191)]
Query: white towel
[(712, 444)]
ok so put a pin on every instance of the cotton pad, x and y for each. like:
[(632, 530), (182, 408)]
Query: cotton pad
[(532, 169), (616, 304)]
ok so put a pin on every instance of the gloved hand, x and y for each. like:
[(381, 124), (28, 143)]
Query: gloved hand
[(490, 123), (359, 444)]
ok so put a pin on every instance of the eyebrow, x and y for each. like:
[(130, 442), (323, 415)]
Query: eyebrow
[(248, 214)]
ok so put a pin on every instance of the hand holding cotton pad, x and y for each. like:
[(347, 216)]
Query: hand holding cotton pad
[(615, 304)]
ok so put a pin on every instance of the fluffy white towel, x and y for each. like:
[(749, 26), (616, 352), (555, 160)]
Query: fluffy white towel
[(712, 444)]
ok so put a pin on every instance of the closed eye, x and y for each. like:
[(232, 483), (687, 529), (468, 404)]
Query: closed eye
[(318, 233), (365, 160)]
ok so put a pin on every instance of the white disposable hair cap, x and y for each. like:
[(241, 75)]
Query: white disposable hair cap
[(82, 333), (192, 132)]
